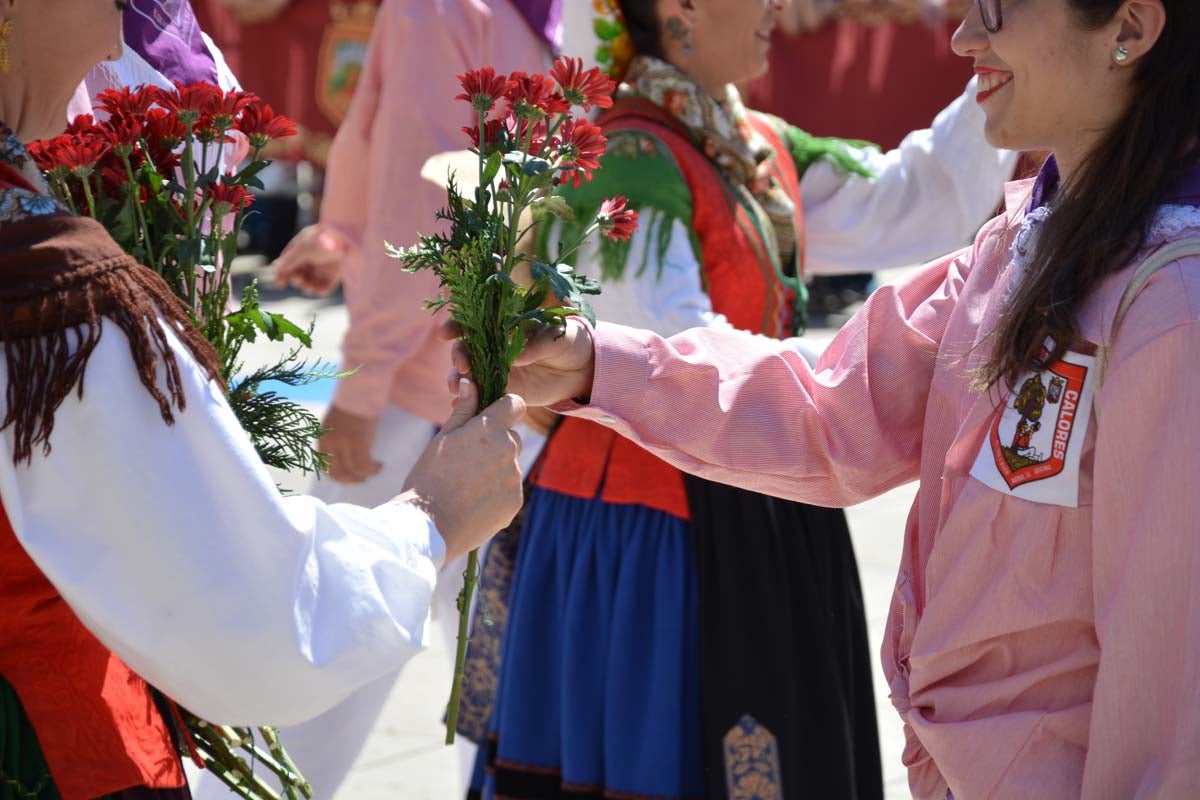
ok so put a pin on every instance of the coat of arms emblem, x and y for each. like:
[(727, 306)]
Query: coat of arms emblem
[(343, 56), (1036, 438)]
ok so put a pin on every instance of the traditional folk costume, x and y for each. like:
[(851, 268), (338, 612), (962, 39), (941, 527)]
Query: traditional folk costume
[(143, 543), (374, 193), (1042, 641), (670, 637)]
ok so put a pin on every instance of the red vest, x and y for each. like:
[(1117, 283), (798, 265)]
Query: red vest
[(95, 720), (584, 459)]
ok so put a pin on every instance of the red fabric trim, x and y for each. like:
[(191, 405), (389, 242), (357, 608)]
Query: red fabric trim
[(582, 457), (96, 721), (11, 179)]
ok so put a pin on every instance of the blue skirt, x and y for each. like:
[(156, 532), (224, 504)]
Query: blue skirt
[(598, 690)]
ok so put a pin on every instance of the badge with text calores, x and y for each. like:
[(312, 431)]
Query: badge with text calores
[(1034, 444)]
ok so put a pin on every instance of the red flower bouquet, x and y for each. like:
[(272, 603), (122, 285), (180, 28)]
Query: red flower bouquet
[(527, 143), (156, 174)]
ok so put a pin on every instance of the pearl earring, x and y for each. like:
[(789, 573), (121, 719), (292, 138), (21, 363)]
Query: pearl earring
[(1121, 54)]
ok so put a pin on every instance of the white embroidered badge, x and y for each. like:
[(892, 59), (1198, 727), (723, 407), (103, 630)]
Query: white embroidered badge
[(1035, 442)]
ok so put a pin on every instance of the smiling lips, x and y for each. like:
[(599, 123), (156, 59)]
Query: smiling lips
[(990, 82)]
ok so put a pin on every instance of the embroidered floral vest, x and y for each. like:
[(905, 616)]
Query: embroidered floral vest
[(740, 274)]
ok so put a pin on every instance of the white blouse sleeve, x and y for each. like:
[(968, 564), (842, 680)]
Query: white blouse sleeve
[(664, 295), (927, 198), (175, 548)]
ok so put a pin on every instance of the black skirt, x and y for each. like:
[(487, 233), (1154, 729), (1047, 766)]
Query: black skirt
[(785, 666)]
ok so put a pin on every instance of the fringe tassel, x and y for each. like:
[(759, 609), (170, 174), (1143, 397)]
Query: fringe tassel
[(49, 336)]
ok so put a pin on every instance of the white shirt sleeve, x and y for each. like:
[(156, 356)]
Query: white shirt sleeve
[(666, 295), (928, 197), (177, 551), (661, 294)]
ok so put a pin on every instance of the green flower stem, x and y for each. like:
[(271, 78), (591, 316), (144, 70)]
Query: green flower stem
[(187, 266), (271, 736), (470, 580), (135, 197), (65, 193), (570, 251), (471, 576), (91, 198)]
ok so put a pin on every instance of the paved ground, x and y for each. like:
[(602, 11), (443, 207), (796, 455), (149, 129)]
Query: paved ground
[(405, 760)]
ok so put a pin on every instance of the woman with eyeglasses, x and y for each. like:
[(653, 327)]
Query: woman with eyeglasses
[(1042, 385)]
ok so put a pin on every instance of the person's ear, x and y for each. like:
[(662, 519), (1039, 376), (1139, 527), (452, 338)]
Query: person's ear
[(1137, 28)]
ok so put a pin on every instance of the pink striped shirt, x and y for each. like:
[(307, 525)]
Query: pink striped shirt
[(1044, 640), (404, 112)]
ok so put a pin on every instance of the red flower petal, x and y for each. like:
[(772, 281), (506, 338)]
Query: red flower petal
[(583, 88)]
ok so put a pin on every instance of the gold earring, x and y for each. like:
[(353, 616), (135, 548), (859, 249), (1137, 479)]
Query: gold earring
[(5, 31)]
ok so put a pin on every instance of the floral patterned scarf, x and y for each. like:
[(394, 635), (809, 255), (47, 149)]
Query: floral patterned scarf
[(18, 202), (722, 129)]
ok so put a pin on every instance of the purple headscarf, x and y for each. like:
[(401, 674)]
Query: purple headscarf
[(545, 17), (166, 34)]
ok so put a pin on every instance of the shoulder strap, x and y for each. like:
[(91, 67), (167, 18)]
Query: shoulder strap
[(1160, 258)]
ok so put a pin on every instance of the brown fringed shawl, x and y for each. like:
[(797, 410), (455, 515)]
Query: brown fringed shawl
[(59, 276)]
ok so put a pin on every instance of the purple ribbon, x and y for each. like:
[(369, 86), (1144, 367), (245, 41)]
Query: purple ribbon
[(166, 34), (545, 17)]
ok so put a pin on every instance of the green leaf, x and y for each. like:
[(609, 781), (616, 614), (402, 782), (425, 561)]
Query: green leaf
[(125, 229), (516, 344), (499, 278), (252, 169), (492, 168), (284, 327), (585, 309), (535, 166), (552, 205), (560, 284), (606, 29), (209, 177)]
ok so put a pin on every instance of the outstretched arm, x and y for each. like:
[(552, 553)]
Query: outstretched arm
[(174, 547), (927, 197)]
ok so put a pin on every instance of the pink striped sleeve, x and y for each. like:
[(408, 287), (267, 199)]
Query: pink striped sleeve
[(1145, 730), (403, 112), (750, 412)]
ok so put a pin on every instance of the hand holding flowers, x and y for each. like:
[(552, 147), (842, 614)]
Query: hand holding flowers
[(527, 143)]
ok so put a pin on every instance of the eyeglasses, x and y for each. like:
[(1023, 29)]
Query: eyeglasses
[(993, 19)]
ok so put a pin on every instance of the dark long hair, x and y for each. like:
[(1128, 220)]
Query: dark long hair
[(641, 19), (1104, 212)]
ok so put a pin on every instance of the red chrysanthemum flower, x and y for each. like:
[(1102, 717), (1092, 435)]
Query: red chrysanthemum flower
[(126, 102), (228, 107), (67, 153), (45, 151), (82, 125), (616, 221), (583, 88), (192, 100), (534, 96), (491, 134), (227, 198), (122, 134), (164, 133), (529, 134), (261, 125), (579, 149), (482, 88)]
